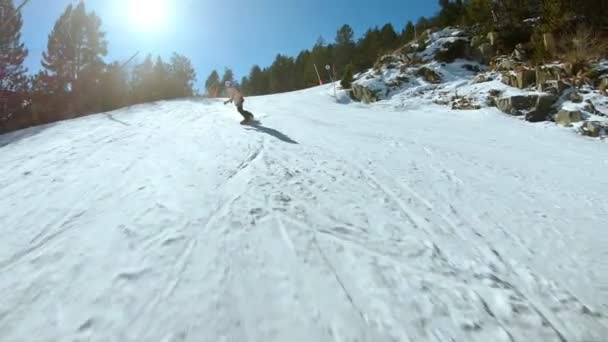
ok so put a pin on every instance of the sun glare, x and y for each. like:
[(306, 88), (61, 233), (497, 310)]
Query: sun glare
[(148, 15)]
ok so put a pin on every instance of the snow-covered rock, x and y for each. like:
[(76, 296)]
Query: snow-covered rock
[(566, 117)]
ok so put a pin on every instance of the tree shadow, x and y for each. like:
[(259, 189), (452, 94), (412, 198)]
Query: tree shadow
[(13, 137), (111, 117), (273, 132)]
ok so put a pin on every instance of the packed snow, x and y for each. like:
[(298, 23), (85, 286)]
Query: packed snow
[(329, 221)]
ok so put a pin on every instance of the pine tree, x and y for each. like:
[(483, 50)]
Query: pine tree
[(73, 59), (160, 80), (408, 33), (369, 48), (142, 83), (227, 77), (114, 87), (212, 85), (480, 12), (388, 38), (282, 75), (258, 81), (347, 78), (12, 51), (344, 48), (182, 77), (421, 25)]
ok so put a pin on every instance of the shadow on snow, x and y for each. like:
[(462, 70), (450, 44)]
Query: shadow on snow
[(271, 131)]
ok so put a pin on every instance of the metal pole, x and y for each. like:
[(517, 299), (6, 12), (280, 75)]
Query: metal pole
[(331, 77), (318, 75)]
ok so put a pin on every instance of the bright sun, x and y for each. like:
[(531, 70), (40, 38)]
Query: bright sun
[(147, 15)]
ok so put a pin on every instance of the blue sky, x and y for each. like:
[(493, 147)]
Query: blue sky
[(219, 33)]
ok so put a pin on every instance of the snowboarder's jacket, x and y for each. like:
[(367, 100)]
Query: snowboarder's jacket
[(235, 96)]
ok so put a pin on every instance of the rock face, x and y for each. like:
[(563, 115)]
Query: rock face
[(576, 97), (535, 107), (453, 50), (486, 52), (525, 78), (364, 94), (567, 117), (493, 38), (593, 129), (429, 75), (549, 43), (542, 109), (604, 85), (519, 54), (463, 103)]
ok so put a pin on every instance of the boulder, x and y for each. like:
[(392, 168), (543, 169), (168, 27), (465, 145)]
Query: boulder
[(364, 94), (575, 97), (493, 94), (509, 79), (525, 78), (553, 87), (566, 117), (589, 107), (593, 128), (517, 104), (542, 77), (542, 109), (429, 75), (535, 107)]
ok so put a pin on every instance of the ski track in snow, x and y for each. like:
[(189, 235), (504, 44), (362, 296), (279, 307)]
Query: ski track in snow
[(329, 222)]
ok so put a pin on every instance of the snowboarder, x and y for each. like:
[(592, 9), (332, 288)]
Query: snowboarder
[(237, 98)]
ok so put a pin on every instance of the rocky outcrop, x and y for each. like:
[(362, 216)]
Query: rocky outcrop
[(365, 94), (429, 75), (542, 109), (593, 129), (525, 78), (566, 117), (480, 78), (555, 87), (388, 61), (522, 78), (463, 103), (516, 105), (534, 107), (575, 97), (453, 50), (505, 63), (485, 52), (519, 54)]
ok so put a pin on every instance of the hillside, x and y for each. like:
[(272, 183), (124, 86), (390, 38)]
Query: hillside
[(402, 220)]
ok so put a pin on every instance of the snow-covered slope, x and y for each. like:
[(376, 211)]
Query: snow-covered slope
[(330, 222)]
